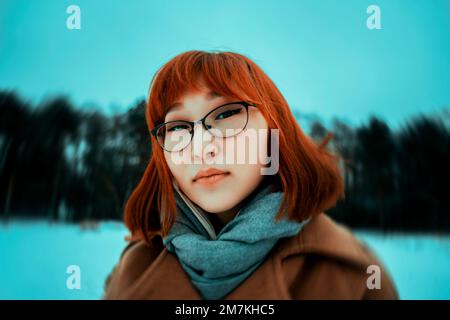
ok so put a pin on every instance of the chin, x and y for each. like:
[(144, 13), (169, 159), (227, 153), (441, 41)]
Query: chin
[(215, 209), (221, 207)]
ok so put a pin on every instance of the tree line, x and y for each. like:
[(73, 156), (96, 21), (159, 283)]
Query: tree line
[(69, 164)]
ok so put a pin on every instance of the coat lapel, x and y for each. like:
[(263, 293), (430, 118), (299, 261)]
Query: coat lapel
[(166, 279)]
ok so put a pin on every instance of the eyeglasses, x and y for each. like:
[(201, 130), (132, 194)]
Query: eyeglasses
[(224, 121)]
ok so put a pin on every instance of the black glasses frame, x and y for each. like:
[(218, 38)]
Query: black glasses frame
[(192, 124)]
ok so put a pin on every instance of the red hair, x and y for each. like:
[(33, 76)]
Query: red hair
[(308, 173)]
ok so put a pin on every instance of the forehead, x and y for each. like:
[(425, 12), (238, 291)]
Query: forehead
[(207, 94)]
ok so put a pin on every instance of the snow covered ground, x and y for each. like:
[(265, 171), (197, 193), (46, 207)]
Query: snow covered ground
[(34, 256)]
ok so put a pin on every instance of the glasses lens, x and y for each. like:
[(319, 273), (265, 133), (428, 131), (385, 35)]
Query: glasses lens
[(174, 136), (227, 120)]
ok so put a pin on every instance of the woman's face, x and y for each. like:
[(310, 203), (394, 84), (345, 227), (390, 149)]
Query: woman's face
[(222, 193)]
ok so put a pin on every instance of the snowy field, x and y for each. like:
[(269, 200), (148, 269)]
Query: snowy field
[(34, 257)]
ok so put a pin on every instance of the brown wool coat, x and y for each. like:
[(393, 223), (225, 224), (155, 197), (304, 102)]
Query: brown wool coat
[(324, 261)]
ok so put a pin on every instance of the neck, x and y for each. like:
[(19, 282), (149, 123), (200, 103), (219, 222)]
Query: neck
[(219, 220)]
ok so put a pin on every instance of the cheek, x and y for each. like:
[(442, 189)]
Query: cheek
[(177, 168), (251, 150), (253, 143)]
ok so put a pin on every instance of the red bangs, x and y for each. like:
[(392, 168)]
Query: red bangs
[(227, 74)]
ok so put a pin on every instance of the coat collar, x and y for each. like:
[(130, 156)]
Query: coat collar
[(166, 279), (323, 236)]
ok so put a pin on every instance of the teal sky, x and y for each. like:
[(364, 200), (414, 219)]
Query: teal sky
[(320, 54)]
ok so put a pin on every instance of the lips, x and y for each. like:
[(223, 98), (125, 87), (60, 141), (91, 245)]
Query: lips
[(209, 173)]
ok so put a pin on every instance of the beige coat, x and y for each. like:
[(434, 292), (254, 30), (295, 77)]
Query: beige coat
[(324, 261)]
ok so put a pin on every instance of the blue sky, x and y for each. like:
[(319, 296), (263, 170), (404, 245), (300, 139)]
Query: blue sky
[(320, 54)]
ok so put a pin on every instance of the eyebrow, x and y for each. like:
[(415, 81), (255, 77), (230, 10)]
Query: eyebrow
[(209, 96)]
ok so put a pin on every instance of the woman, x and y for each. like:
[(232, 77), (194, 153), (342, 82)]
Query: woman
[(205, 225)]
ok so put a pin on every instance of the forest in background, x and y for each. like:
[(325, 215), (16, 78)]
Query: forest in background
[(65, 163)]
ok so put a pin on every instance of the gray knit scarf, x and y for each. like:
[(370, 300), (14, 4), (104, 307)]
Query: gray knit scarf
[(216, 264)]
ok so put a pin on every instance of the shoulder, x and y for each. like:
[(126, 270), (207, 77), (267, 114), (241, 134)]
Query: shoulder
[(134, 259), (325, 260)]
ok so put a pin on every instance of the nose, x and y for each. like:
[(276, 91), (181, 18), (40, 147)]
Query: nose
[(202, 144)]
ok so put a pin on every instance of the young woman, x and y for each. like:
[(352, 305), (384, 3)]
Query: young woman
[(231, 204)]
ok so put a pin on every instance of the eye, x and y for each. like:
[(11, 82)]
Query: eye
[(228, 113), (177, 127)]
